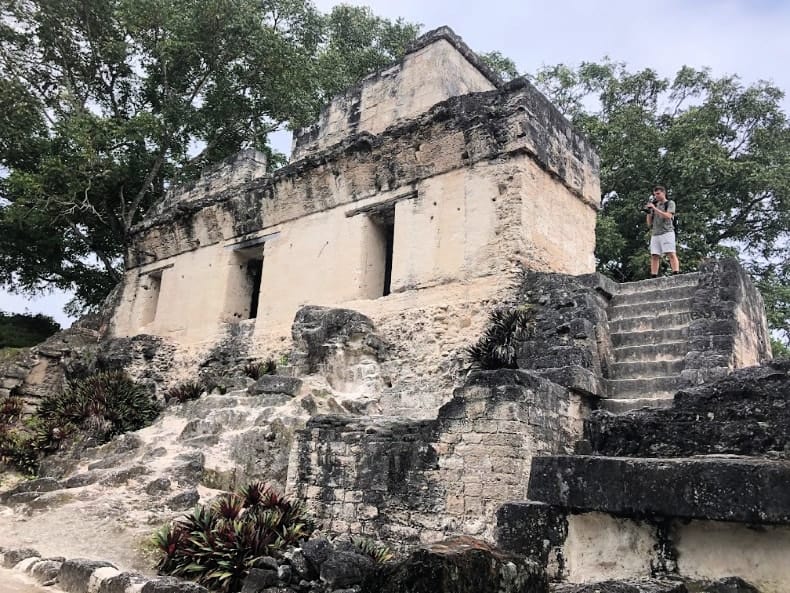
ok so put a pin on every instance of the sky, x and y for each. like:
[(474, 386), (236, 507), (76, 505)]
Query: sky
[(744, 37)]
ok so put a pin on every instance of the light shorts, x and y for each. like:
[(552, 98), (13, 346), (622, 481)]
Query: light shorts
[(661, 244)]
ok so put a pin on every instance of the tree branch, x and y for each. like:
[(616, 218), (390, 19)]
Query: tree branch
[(99, 253)]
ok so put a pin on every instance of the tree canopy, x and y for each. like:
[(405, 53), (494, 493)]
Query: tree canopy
[(20, 330), (721, 148), (105, 104)]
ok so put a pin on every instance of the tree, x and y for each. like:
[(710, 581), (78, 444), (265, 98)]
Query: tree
[(722, 149), (501, 64), (18, 330), (103, 103)]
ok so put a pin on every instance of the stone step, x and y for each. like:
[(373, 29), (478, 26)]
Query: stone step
[(746, 413), (681, 280), (744, 490), (650, 337), (650, 322), (657, 295), (648, 387), (646, 368), (621, 406), (646, 309), (652, 351)]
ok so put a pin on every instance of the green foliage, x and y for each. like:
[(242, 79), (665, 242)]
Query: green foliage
[(103, 405), (101, 101), (779, 349), (18, 449), (98, 407), (377, 551), (18, 330), (11, 409), (185, 392), (720, 147), (358, 43), (15, 446), (496, 349), (255, 370), (217, 544), (501, 64)]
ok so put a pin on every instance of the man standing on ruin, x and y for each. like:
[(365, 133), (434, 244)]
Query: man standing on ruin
[(660, 212)]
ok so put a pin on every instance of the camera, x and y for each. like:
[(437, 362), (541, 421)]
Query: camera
[(650, 200)]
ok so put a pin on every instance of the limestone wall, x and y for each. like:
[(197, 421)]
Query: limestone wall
[(437, 67), (408, 481), (466, 201), (601, 547), (729, 329)]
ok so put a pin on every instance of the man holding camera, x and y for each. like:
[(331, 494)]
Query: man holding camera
[(660, 212)]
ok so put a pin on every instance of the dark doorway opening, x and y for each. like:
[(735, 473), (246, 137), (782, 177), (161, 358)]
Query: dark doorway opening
[(384, 222), (254, 273)]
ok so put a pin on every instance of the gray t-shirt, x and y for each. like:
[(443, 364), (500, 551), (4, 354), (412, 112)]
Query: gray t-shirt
[(663, 225)]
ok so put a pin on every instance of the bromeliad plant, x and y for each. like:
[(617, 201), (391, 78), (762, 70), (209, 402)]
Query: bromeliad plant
[(496, 349), (103, 405), (95, 408), (255, 370), (378, 552), (185, 392), (217, 544)]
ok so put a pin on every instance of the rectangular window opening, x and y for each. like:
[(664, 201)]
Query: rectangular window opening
[(152, 284)]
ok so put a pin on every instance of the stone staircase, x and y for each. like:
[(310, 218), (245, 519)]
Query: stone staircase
[(702, 485), (649, 325)]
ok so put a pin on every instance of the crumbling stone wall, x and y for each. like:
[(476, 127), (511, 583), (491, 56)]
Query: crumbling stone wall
[(437, 66), (408, 481), (569, 340), (728, 329)]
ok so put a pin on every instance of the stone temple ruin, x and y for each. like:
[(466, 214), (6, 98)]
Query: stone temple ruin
[(621, 442)]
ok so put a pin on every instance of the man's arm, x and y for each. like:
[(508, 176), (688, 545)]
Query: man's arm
[(661, 213)]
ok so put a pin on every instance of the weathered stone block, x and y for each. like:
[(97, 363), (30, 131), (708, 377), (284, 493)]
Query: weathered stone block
[(75, 574), (122, 583), (275, 384), (172, 585), (530, 529), (14, 556), (742, 490), (38, 486), (344, 569), (462, 565)]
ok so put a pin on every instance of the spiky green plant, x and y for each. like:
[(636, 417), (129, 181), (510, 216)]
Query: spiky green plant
[(104, 405), (497, 348), (18, 449), (255, 370), (11, 409), (217, 544), (377, 551), (185, 392)]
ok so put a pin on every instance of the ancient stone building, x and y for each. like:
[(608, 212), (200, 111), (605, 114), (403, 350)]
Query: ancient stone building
[(425, 198), (424, 184)]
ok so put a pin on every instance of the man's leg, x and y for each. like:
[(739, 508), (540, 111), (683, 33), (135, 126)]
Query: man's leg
[(655, 260), (674, 263)]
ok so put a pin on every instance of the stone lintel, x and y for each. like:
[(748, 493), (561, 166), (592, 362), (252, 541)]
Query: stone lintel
[(721, 489)]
